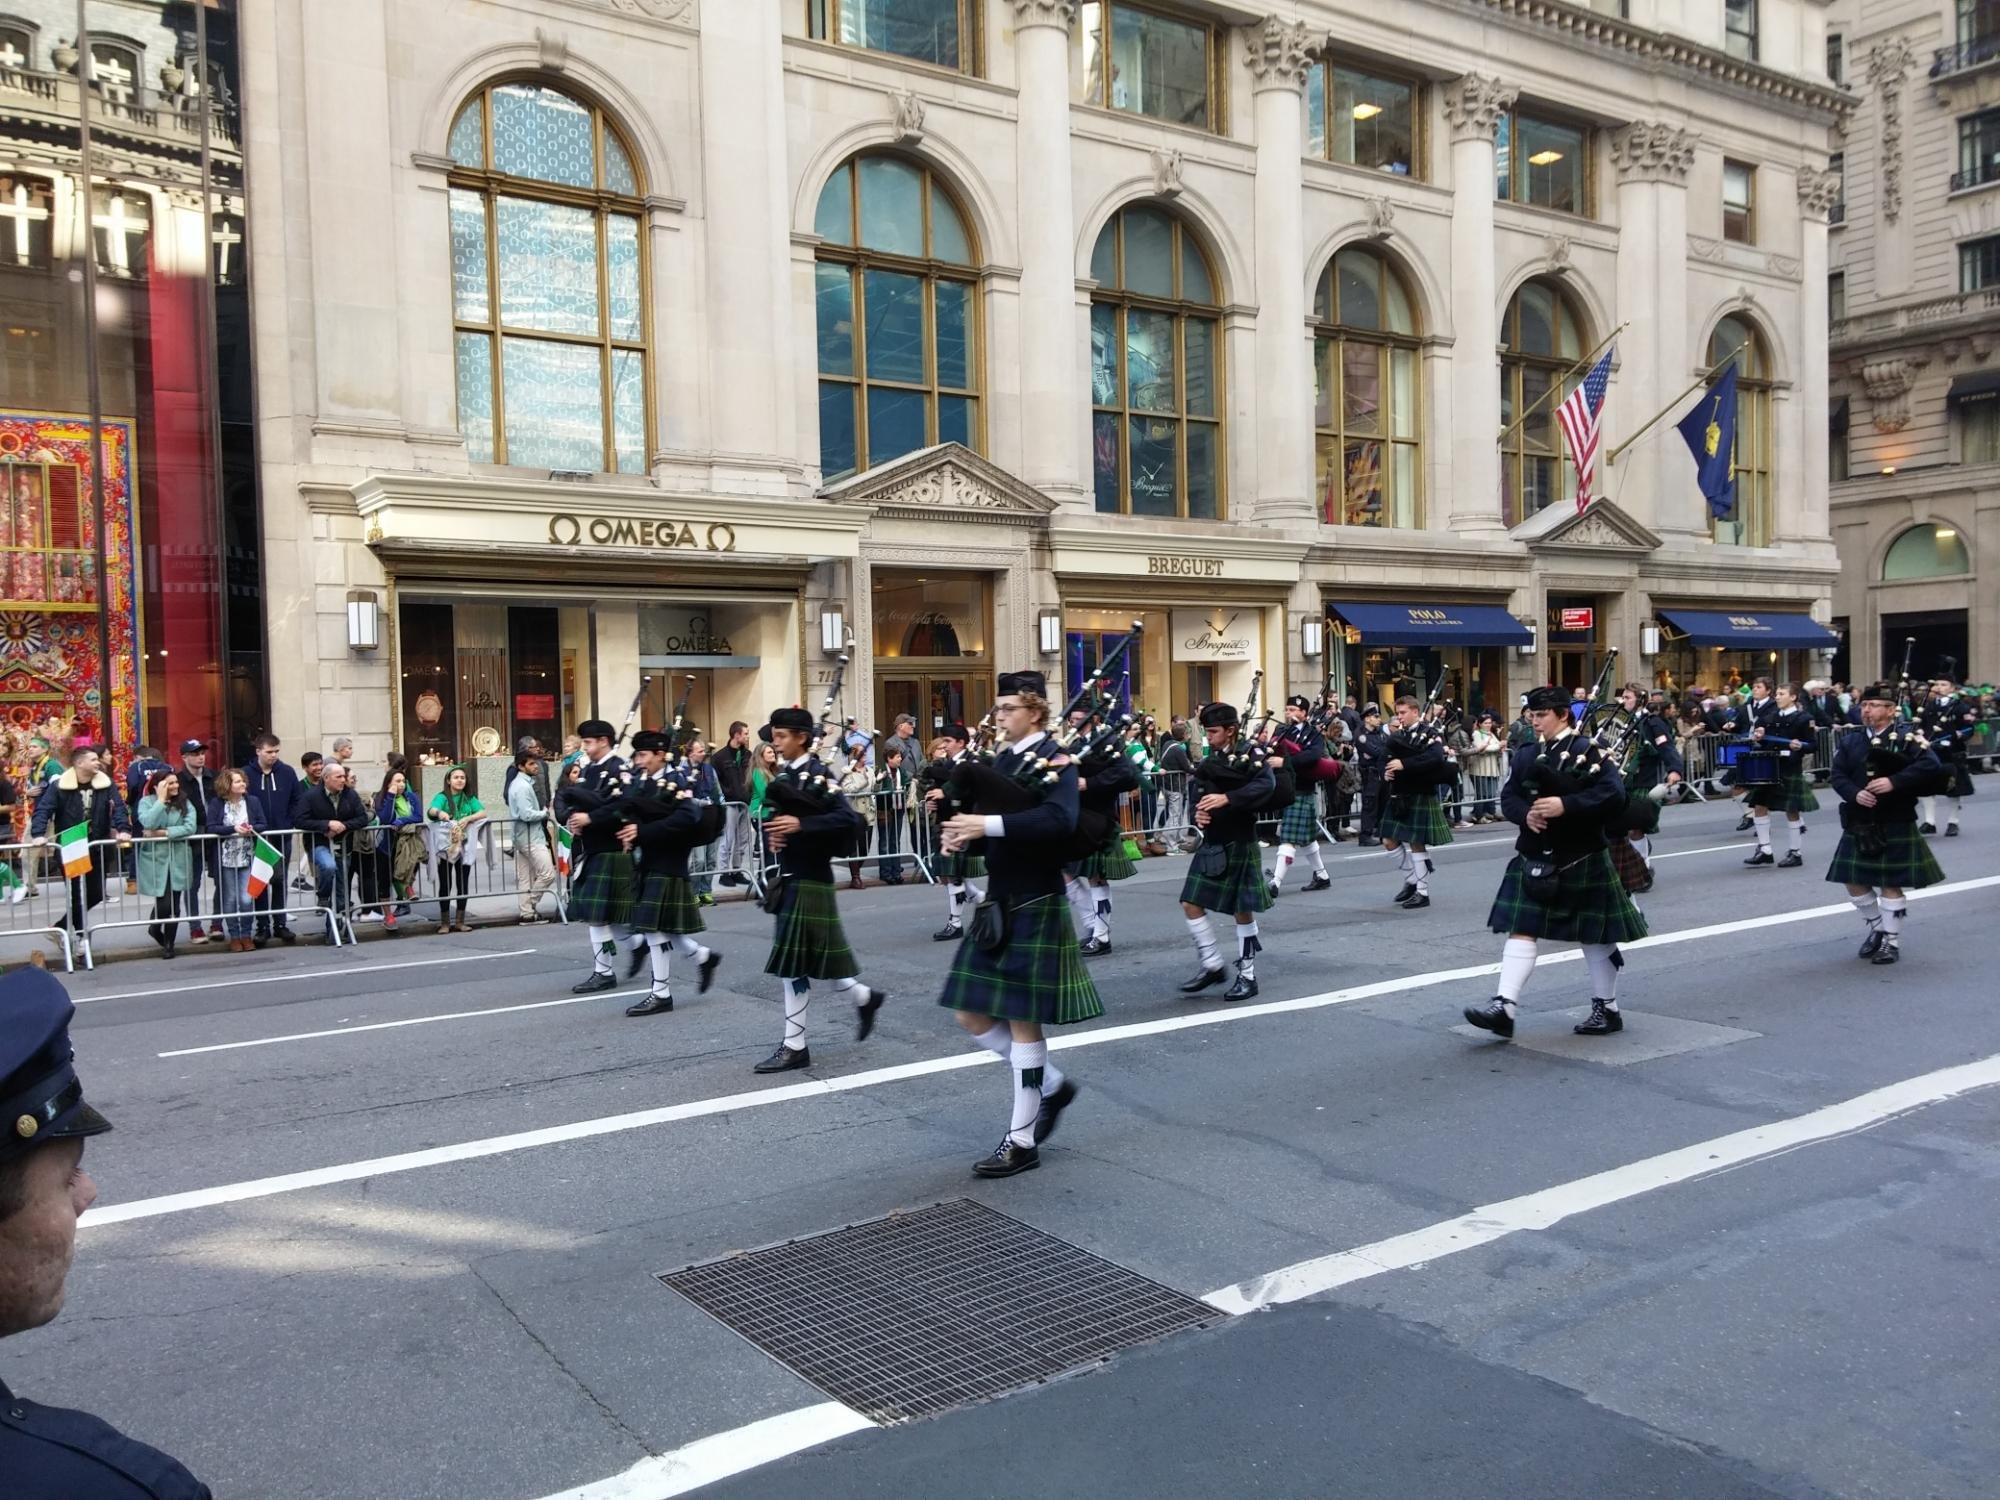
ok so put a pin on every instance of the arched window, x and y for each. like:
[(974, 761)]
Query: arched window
[(1749, 525), (17, 45), (1367, 407), (548, 270), (1925, 552), (898, 318), (27, 213), (1155, 370), (1543, 339), (116, 70)]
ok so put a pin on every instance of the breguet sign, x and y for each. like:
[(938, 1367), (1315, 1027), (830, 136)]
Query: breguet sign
[(568, 530), (1222, 635)]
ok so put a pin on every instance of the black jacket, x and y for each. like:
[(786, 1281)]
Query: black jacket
[(61, 805), (665, 820), (1786, 726), (1028, 861), (1371, 749), (821, 838), (51, 1453), (1850, 775), (1579, 831), (318, 807), (602, 796), (1236, 823), (732, 770), (1658, 754), (277, 789), (199, 786), (1949, 724)]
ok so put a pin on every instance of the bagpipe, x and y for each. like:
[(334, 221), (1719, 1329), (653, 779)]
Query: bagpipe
[(1563, 768), (1892, 750), (984, 790), (805, 792), (1230, 770)]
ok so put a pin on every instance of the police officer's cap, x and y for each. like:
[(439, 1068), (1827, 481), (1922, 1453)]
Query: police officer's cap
[(41, 1098), (1372, 711)]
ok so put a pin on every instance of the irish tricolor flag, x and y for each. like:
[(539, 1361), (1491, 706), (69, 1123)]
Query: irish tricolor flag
[(264, 862), (564, 859), (75, 844)]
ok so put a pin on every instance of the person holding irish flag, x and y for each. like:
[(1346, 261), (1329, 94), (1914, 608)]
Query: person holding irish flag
[(79, 809)]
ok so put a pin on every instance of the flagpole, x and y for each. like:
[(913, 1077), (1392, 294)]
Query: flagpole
[(1556, 384), (1611, 454)]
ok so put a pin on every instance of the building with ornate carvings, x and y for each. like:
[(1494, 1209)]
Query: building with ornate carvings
[(621, 346), (1915, 338)]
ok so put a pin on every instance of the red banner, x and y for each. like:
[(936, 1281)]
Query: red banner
[(534, 705)]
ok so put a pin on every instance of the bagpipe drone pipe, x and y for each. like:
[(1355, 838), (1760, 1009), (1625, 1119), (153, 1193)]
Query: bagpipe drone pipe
[(1565, 768), (1425, 767), (981, 788), (1892, 750)]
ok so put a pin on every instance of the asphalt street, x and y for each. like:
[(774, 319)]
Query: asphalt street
[(389, 1220)]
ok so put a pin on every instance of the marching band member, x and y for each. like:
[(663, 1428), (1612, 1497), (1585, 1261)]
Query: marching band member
[(1882, 853), (1018, 970), (813, 824), (1305, 747), (1101, 780), (1226, 873), (1792, 732), (667, 823), (1756, 713), (1656, 761), (1413, 821), (1948, 721), (1560, 883), (600, 895), (959, 868)]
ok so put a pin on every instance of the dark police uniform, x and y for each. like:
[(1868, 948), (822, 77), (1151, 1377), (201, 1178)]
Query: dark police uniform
[(48, 1452)]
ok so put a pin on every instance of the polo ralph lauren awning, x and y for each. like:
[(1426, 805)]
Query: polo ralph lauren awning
[(1782, 632), (1434, 624)]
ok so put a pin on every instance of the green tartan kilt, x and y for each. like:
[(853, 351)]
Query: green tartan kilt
[(1793, 794), (1036, 976), (1630, 865), (1414, 820), (809, 942), (956, 869), (1590, 906), (1240, 887), (1300, 823), (1108, 863), (601, 895), (666, 904), (1905, 860)]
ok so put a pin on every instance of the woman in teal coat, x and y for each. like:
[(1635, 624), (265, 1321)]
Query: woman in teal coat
[(166, 860)]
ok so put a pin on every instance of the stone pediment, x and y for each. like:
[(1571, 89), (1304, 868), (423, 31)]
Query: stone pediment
[(1602, 528), (949, 480)]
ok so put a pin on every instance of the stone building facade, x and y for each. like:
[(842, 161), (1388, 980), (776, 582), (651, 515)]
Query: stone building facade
[(616, 347), (1914, 429)]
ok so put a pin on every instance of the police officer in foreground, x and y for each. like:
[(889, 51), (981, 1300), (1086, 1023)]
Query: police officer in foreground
[(46, 1452)]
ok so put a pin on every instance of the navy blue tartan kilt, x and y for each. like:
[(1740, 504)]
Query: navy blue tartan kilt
[(1240, 887), (809, 942), (1793, 794), (1961, 778), (1590, 905), (1036, 975), (1899, 857), (603, 891), (1417, 819), (956, 869), (666, 903), (1300, 823)]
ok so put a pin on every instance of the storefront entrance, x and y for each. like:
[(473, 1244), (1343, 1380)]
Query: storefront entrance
[(1378, 652), (1940, 649), (932, 701), (1575, 633), (933, 660), (1185, 658)]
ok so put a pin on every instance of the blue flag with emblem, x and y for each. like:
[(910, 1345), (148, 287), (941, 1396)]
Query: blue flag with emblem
[(1710, 430)]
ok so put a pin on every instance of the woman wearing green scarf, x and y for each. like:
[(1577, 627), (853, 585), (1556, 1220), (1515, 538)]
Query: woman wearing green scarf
[(457, 807)]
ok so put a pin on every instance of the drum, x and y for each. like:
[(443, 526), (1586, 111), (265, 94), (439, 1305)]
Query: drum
[(1753, 765)]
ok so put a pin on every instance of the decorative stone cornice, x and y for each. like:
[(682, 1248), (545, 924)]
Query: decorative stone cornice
[(1818, 192), (1474, 103), (1280, 52), (659, 10), (1889, 382), (1649, 151), (1889, 63), (1044, 13), (906, 116)]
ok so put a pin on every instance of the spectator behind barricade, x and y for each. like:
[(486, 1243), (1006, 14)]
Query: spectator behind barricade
[(857, 785), (1482, 764), (1175, 764), (857, 743), (167, 821), (198, 784), (236, 818), (708, 787), (311, 765), (458, 810), (572, 755), (399, 845), (329, 811), (343, 753), (763, 767), (893, 792), (276, 788), (83, 795), (903, 736), (1521, 733), (13, 879), (145, 767), (534, 864), (732, 771)]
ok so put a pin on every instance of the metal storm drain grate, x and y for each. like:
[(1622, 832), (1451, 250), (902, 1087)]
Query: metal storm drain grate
[(920, 1312)]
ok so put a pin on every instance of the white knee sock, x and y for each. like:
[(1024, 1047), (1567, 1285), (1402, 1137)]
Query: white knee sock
[(687, 947), (1404, 861), (1762, 823), (1247, 948), (1795, 836), (997, 1039), (1081, 906), (1951, 809), (1641, 846), (662, 954), (1313, 858), (955, 897), (1517, 962), (1204, 942), (1603, 972), (1287, 853), (1100, 912), (798, 995), (1892, 916), (601, 949), (1927, 809), (853, 988), (1421, 864), (1030, 1063), (1869, 907)]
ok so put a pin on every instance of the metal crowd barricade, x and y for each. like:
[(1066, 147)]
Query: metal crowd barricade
[(34, 897), (480, 864)]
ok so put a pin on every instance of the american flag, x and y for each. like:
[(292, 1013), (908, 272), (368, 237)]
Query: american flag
[(1580, 414)]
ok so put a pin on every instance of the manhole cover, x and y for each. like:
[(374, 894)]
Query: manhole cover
[(919, 1312)]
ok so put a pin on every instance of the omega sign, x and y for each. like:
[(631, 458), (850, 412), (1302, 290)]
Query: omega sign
[(566, 530), (1222, 636)]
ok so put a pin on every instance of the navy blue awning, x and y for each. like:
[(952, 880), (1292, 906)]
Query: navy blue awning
[(1777, 631), (1434, 624)]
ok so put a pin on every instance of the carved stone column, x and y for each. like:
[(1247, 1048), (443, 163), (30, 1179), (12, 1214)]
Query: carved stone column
[(1652, 161), (1055, 405), (1473, 107), (1812, 516), (1888, 68), (1280, 57)]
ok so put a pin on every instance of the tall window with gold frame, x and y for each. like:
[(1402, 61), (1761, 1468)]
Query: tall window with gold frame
[(1149, 60), (549, 271), (1155, 370), (1367, 408), (941, 33), (1542, 339), (1750, 524)]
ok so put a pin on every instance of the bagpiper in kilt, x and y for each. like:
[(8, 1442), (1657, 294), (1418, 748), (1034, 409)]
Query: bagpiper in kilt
[(1412, 822), (1948, 719), (1560, 884), (957, 868), (1791, 733), (1018, 969), (603, 887), (1304, 748), (813, 824), (1102, 779), (1654, 761), (1878, 771), (668, 823), (1230, 787)]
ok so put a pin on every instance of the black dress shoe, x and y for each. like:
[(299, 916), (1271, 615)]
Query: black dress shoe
[(1006, 1160), (784, 1060), (1927, 828), (1951, 830), (1206, 979), (652, 1005), (1052, 1107), (1601, 1021), (1273, 889), (1761, 857), (1872, 944), (707, 970), (1409, 889), (286, 936), (595, 984), (1369, 841), (1492, 1017), (951, 931), (1091, 947), (1747, 824), (167, 950), (864, 1013), (1243, 989), (635, 962), (1415, 903), (1888, 953), (1320, 882), (1792, 860)]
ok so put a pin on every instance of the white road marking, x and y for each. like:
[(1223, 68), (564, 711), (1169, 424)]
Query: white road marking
[(736, 1451), (291, 975), (408, 1161), (1550, 1206), (1711, 849), (455, 1015)]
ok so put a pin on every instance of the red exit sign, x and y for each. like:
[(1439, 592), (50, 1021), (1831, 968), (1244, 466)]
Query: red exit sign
[(1576, 619)]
